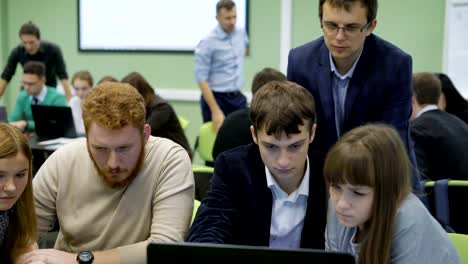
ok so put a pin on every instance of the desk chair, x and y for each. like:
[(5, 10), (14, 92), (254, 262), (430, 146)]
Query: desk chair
[(184, 123), (461, 243), (202, 175), (196, 204), (205, 142), (451, 210)]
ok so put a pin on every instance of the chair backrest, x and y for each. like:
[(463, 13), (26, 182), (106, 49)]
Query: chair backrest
[(461, 243), (456, 196), (184, 123), (202, 175), (196, 204), (206, 139)]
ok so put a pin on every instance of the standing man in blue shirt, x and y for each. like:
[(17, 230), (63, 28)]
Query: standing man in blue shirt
[(219, 66)]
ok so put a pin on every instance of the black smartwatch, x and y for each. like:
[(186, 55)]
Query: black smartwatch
[(85, 257)]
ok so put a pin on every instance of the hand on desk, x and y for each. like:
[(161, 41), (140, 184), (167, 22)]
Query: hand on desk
[(47, 256), (21, 125)]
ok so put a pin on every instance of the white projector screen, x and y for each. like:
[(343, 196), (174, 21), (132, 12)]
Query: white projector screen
[(148, 25)]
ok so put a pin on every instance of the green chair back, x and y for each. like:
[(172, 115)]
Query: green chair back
[(461, 243), (206, 139), (196, 204), (184, 123)]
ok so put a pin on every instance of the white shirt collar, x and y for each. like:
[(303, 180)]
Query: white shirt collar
[(41, 96), (426, 109), (350, 73), (303, 188)]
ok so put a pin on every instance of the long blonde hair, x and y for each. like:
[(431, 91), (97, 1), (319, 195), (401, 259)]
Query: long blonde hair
[(22, 229), (373, 155)]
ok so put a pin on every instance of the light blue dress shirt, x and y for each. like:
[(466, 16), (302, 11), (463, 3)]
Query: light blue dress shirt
[(288, 212), (340, 85), (219, 59)]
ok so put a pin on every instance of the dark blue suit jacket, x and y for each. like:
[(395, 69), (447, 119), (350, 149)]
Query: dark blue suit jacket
[(379, 91), (238, 207)]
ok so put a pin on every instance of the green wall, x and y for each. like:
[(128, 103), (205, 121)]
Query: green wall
[(418, 33)]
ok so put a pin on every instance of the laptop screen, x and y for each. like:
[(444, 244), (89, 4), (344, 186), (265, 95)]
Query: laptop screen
[(214, 253), (53, 121)]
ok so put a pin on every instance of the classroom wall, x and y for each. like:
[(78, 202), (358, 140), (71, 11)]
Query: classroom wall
[(418, 33)]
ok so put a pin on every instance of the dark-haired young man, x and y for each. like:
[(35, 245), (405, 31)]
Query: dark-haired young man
[(268, 193)]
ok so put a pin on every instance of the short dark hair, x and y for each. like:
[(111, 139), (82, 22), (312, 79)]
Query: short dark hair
[(282, 106), (427, 88), (107, 78), (228, 4), (34, 67), (371, 6), (264, 76), (136, 80), (83, 75), (29, 28)]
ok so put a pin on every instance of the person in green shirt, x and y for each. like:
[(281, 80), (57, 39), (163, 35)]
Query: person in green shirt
[(35, 92)]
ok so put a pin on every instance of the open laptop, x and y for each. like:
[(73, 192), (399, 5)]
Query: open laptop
[(53, 122), (3, 114), (215, 253)]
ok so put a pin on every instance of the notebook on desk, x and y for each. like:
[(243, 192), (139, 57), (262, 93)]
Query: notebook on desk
[(211, 253), (53, 122)]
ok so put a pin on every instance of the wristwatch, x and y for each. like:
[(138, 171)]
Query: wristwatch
[(85, 257)]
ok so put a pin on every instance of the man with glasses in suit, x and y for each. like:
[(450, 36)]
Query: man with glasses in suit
[(355, 76)]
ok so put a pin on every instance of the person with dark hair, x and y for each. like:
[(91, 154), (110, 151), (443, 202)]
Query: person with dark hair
[(35, 49), (107, 78), (268, 193), (35, 92), (82, 82), (436, 132), (116, 191), (355, 76), (451, 101), (372, 213), (159, 113), (219, 66), (18, 232), (235, 130)]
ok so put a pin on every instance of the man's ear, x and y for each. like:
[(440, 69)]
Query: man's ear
[(146, 132), (312, 133), (371, 27), (254, 136)]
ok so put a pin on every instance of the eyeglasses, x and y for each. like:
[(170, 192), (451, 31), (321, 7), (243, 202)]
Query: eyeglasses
[(331, 28), (29, 84)]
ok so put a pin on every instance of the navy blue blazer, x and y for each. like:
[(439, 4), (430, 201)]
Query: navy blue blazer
[(238, 207), (379, 91)]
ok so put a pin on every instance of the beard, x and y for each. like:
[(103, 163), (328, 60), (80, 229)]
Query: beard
[(104, 172)]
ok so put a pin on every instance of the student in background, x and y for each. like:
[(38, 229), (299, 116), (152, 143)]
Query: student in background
[(235, 130), (82, 82), (107, 78), (35, 92), (268, 193), (159, 113), (435, 132), (18, 231), (372, 212), (35, 49), (451, 100)]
